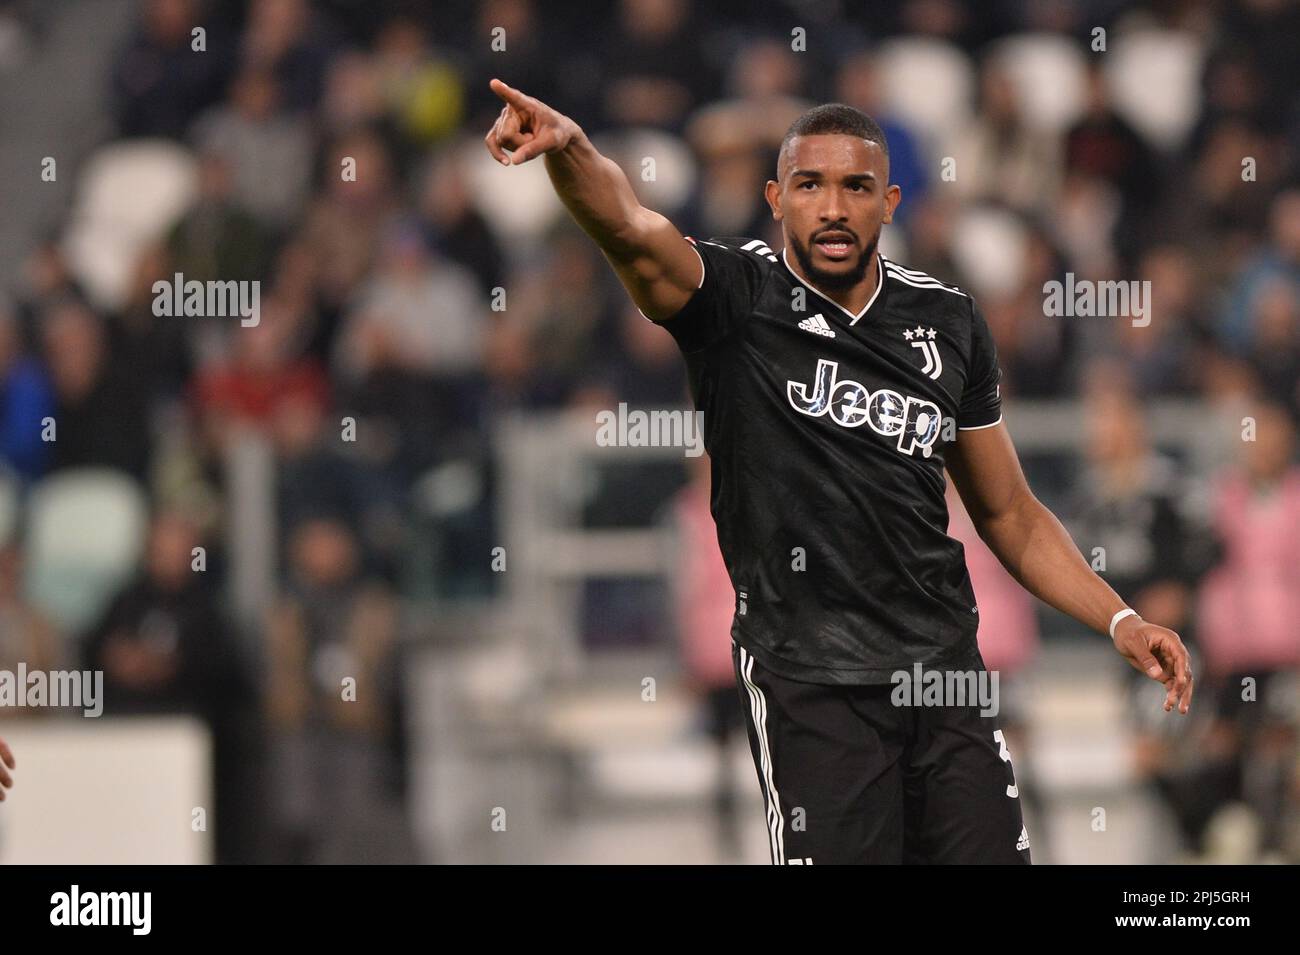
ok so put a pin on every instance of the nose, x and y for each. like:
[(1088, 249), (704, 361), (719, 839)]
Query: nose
[(832, 210)]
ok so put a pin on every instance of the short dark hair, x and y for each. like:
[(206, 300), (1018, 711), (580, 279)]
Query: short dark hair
[(831, 118)]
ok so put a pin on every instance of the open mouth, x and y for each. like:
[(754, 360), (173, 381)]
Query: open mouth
[(834, 245)]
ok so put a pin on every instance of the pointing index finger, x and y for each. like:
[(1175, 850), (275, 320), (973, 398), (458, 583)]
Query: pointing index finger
[(508, 93)]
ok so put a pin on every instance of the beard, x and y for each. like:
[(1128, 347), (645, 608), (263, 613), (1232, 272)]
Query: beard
[(835, 281)]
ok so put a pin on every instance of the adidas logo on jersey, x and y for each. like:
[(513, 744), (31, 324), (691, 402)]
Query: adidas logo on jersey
[(1023, 842), (817, 325)]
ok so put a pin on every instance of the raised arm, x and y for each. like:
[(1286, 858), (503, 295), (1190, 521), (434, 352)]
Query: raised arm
[(1034, 547), (657, 266)]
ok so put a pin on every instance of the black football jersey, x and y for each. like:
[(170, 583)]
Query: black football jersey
[(826, 433)]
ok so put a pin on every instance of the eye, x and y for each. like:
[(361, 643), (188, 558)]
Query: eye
[(807, 182), (857, 187)]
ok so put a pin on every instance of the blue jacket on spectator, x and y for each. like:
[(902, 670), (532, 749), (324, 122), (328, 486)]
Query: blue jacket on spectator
[(26, 399)]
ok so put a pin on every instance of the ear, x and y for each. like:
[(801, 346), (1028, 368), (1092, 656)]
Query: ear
[(772, 193), (893, 196)]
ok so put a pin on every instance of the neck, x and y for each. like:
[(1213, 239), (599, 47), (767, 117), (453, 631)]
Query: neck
[(854, 298)]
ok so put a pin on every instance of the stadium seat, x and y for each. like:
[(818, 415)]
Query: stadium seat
[(674, 169), (1048, 72), (128, 195), (928, 85), (989, 245), (85, 535), (1154, 79), (518, 203)]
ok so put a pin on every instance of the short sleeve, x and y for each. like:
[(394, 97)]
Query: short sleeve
[(726, 296), (981, 401)]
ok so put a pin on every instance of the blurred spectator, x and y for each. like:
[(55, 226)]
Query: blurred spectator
[(1135, 520), (317, 478), (100, 414), (1250, 602), (1279, 260), (766, 82), (1275, 351), (1132, 515), (295, 293), (526, 60), (332, 697), (1233, 177), (732, 161), (354, 95), (423, 91), (454, 228), (658, 71), (216, 238), (549, 333), (639, 364), (165, 647), (1000, 157), (158, 350), (160, 84), (46, 277), (930, 226), (1036, 351), (162, 644), (1235, 88), (1245, 753), (26, 399), (266, 369), (419, 314), (292, 41), (26, 636), (1083, 224), (345, 220), (1166, 355), (410, 348), (1102, 145), (256, 155)]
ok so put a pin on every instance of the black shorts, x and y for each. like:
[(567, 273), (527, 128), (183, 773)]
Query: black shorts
[(849, 777)]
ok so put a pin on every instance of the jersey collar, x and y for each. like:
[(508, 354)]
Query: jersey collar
[(853, 319)]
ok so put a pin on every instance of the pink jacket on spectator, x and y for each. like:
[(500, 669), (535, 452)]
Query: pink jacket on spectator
[(1249, 607), (706, 600), (1008, 628)]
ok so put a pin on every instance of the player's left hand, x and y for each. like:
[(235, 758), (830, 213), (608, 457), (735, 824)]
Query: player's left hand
[(1160, 654), (6, 764)]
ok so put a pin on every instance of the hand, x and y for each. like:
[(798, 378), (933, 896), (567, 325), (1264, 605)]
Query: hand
[(526, 128), (1160, 654), (6, 763)]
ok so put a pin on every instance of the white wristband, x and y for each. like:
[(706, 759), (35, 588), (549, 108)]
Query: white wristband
[(1120, 615)]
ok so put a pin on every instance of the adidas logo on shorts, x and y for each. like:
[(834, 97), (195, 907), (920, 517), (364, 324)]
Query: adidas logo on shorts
[(1023, 841), (817, 325)]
